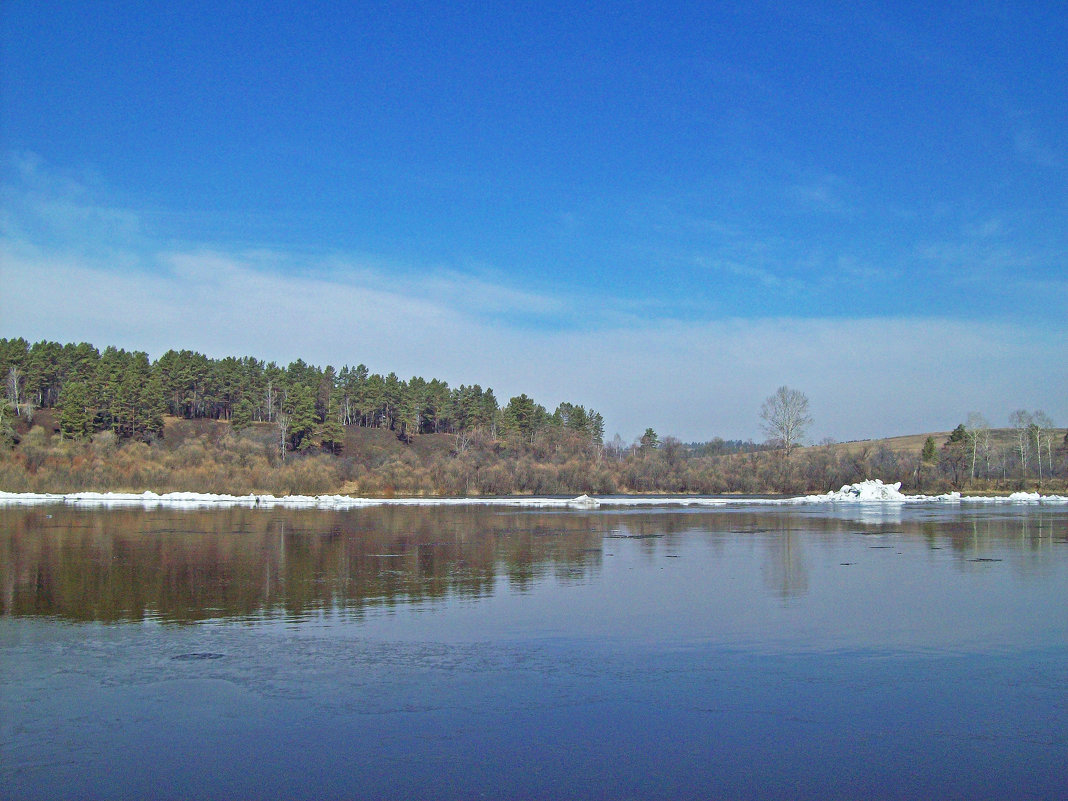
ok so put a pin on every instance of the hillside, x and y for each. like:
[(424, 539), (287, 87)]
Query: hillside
[(371, 443), (209, 455), (1000, 438), (185, 421)]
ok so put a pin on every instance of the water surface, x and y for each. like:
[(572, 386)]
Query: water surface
[(391, 652)]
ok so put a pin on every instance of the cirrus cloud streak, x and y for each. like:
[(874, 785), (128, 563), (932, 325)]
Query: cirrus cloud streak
[(694, 379)]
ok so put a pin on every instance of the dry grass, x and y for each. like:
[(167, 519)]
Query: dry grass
[(208, 456), (913, 443)]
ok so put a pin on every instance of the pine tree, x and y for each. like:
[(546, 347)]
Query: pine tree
[(331, 433), (955, 454), (242, 416), (649, 440), (75, 418), (302, 417), (152, 406), (524, 415), (7, 411), (596, 428)]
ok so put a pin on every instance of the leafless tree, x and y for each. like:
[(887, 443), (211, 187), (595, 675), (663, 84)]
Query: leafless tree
[(14, 379), (616, 448), (270, 398), (1020, 420), (1042, 432), (978, 431), (283, 433), (786, 418)]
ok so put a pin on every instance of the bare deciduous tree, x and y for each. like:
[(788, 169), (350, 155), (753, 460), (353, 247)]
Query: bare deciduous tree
[(1020, 420), (283, 433), (616, 448), (1042, 432), (14, 380), (270, 400), (978, 432), (786, 418)]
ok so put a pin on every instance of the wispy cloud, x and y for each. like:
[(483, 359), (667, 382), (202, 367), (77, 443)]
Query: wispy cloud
[(694, 378), (1030, 142), (985, 256), (764, 277), (821, 194), (851, 269), (42, 203), (1033, 150)]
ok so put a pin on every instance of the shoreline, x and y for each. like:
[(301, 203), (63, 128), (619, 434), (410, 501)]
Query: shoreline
[(872, 492)]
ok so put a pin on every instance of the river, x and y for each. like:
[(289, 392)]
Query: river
[(746, 651)]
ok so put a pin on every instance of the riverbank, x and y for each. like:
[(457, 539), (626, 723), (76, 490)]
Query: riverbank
[(209, 456), (865, 492)]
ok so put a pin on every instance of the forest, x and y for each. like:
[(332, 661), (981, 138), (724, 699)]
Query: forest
[(129, 394), (75, 418)]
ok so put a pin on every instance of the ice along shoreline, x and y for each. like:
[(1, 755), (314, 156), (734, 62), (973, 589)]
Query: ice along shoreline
[(865, 492)]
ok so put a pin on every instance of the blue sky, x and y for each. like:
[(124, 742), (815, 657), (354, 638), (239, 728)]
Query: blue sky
[(663, 211)]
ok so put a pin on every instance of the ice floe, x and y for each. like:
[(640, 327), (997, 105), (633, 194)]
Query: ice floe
[(871, 492), (875, 491), (202, 500), (864, 492)]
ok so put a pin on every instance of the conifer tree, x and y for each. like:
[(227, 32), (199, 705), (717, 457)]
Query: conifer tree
[(242, 416), (302, 417), (152, 406), (331, 433), (955, 453), (75, 418), (650, 440), (7, 433)]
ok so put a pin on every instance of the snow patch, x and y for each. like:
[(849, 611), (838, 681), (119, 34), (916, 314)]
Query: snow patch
[(863, 492), (875, 491), (584, 502), (870, 492), (203, 500)]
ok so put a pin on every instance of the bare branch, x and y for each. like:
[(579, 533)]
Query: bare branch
[(786, 418)]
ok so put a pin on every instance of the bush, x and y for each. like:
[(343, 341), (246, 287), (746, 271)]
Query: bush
[(210, 457)]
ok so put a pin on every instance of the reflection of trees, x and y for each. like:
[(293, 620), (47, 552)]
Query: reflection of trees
[(128, 564), (185, 566), (784, 569), (1034, 529), (1035, 542)]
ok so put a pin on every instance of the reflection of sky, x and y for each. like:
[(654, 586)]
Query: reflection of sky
[(740, 653), (799, 590), (869, 512), (774, 578)]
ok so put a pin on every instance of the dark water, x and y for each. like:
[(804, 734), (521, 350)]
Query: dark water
[(751, 652)]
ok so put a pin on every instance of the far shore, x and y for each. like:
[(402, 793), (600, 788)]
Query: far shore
[(210, 456), (866, 492)]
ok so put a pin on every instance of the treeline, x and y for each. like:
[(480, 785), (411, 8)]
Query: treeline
[(974, 454), (127, 393), (210, 456), (74, 418)]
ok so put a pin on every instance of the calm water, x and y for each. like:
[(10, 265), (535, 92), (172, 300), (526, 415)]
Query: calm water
[(809, 652)]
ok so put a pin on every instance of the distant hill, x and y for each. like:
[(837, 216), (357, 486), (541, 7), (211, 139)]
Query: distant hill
[(1000, 438)]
